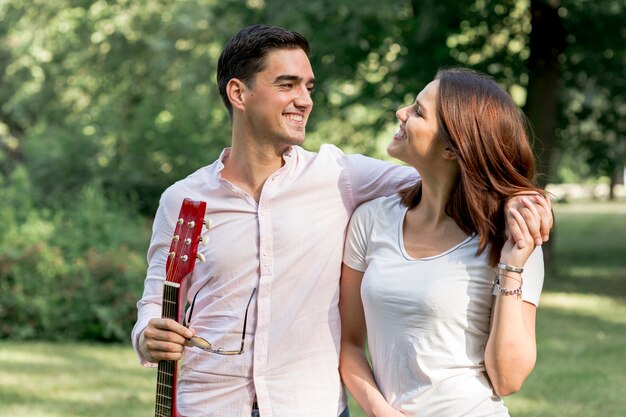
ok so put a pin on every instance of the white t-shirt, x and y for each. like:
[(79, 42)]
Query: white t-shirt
[(428, 319)]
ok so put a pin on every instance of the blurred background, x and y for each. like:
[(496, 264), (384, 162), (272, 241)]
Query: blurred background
[(103, 104)]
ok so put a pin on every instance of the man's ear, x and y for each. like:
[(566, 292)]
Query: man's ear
[(235, 91), (448, 153)]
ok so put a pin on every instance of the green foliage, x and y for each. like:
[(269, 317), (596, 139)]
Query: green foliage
[(117, 98), (593, 119), (121, 92), (72, 272)]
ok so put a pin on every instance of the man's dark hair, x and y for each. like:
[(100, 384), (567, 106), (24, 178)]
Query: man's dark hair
[(244, 55)]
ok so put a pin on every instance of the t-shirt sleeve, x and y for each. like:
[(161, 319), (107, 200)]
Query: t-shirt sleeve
[(533, 277), (359, 230)]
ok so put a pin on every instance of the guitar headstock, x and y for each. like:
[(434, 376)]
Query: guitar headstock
[(184, 247)]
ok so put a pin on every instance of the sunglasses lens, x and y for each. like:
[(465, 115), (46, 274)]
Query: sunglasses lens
[(198, 342)]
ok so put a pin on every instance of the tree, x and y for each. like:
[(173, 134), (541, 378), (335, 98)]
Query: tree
[(593, 117)]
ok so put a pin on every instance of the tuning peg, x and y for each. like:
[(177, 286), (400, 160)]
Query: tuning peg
[(200, 257), (204, 240), (208, 223), (172, 254)]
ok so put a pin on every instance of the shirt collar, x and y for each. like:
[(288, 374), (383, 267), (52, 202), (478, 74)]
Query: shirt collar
[(223, 156), (288, 157)]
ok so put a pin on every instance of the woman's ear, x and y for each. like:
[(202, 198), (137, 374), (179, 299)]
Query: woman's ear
[(235, 91), (448, 153)]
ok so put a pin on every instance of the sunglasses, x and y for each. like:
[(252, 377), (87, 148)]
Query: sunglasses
[(202, 343)]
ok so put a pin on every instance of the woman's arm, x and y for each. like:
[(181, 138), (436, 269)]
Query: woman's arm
[(511, 349), (353, 365)]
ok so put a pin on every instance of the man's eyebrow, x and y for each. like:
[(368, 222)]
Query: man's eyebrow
[(295, 78)]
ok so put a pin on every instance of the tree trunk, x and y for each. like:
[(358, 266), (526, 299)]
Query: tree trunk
[(547, 42), (616, 178)]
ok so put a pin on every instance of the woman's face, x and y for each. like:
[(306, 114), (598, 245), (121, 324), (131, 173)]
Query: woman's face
[(416, 141)]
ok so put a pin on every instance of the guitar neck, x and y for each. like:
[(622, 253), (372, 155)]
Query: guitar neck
[(180, 263), (167, 371)]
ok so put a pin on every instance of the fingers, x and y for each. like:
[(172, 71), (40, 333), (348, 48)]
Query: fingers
[(537, 213), (518, 226), (513, 229), (163, 339), (547, 220), (533, 219), (516, 252), (169, 325)]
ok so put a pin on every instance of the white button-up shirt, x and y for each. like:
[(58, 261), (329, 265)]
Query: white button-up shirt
[(289, 247)]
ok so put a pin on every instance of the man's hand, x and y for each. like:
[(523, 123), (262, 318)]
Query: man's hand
[(534, 218), (163, 339)]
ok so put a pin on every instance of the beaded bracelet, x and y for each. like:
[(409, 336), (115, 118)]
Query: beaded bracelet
[(507, 291), (511, 268)]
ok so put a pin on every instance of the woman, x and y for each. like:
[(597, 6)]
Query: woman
[(429, 277)]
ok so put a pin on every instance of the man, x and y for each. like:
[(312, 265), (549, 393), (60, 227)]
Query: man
[(279, 217)]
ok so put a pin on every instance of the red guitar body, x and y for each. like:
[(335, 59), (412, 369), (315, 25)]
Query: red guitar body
[(180, 265)]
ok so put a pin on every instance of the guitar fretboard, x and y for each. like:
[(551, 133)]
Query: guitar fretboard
[(166, 374)]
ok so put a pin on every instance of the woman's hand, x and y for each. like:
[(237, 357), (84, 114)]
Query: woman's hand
[(516, 250), (535, 218)]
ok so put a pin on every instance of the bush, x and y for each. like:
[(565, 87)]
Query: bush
[(72, 271)]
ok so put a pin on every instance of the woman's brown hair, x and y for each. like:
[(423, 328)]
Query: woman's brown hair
[(489, 135)]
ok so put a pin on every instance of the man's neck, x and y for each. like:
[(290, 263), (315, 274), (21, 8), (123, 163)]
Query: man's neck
[(249, 165)]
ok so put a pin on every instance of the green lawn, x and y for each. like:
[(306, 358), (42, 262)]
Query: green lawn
[(581, 340)]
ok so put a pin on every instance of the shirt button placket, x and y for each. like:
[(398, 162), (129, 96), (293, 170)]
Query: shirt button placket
[(264, 293)]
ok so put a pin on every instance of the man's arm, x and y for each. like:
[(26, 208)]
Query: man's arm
[(368, 178), (153, 337)]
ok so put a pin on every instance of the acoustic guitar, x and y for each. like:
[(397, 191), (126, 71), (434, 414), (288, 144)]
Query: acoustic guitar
[(180, 265)]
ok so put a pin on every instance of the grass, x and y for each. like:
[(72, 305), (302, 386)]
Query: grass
[(581, 322), (73, 380), (581, 336)]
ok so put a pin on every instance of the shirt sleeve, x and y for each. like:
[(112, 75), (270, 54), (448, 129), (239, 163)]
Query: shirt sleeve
[(369, 178), (357, 240), (150, 304)]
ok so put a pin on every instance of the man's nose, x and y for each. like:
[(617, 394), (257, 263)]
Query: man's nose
[(303, 99)]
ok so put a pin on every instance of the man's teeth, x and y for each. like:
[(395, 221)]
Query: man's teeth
[(295, 117)]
